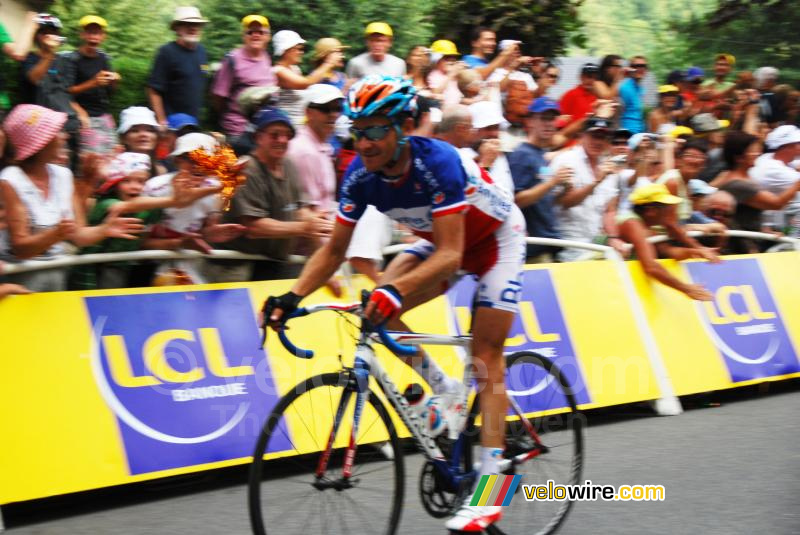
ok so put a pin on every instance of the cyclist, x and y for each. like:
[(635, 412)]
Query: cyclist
[(467, 224)]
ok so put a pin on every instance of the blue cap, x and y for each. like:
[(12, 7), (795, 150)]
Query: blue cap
[(695, 72), (176, 121), (543, 104), (267, 116)]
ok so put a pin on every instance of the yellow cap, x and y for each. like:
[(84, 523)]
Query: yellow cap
[(679, 131), (444, 47), (730, 58), (653, 193), (250, 19), (669, 88), (93, 19), (379, 27), (724, 123)]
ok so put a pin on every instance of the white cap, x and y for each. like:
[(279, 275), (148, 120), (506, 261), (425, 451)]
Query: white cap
[(194, 141), (505, 43), (136, 115), (322, 94), (783, 135), (486, 113), (284, 40), (188, 14)]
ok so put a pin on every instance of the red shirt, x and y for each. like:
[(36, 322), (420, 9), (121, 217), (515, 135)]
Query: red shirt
[(577, 103)]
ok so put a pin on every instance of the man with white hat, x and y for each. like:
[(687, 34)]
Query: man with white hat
[(177, 81), (774, 171), (376, 60), (487, 121)]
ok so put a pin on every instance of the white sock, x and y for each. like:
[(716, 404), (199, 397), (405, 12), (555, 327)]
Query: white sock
[(430, 370), (489, 459)]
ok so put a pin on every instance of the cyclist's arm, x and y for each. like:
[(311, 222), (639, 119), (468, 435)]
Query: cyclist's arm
[(448, 237), (324, 263)]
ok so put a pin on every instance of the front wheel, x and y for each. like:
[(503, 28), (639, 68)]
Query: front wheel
[(545, 439), (287, 497)]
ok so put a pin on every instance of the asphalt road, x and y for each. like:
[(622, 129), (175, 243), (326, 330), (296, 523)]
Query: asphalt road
[(728, 469)]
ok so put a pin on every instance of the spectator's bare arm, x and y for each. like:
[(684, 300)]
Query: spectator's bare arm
[(24, 244)]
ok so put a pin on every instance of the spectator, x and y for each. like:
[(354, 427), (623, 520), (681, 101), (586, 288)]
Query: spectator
[(484, 42), (41, 211), (619, 143), (456, 127), (471, 86), (667, 111), (178, 124), (138, 130), (16, 51), (631, 94), (91, 81), (534, 183), (611, 74), (268, 205), (487, 120), (376, 60), (246, 66), (691, 159), (44, 80), (177, 81), (765, 79), (774, 171), (418, 65), (690, 90), (651, 210), (192, 226), (517, 87), (578, 102), (712, 131), (719, 206), (289, 48), (442, 78), (719, 87), (323, 48), (548, 79), (581, 206), (740, 151)]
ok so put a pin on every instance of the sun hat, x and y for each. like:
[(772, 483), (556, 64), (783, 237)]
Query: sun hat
[(700, 187), (136, 115), (486, 113), (194, 141), (653, 193), (121, 166), (326, 45), (783, 135), (284, 40), (322, 94), (30, 128), (188, 14)]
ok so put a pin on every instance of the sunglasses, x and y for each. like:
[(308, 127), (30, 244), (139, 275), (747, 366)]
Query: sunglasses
[(326, 108), (716, 212), (599, 135), (619, 142), (258, 32), (639, 65), (372, 133)]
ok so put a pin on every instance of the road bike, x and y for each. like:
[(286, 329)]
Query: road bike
[(329, 458)]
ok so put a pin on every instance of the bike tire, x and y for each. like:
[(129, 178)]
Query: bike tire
[(282, 513), (539, 518)]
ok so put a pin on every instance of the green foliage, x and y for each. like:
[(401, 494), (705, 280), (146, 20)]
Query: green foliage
[(542, 25)]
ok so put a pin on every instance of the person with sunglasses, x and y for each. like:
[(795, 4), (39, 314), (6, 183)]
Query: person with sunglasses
[(465, 222), (632, 94), (244, 67)]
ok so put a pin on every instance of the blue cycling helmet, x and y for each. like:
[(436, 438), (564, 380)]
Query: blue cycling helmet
[(377, 95)]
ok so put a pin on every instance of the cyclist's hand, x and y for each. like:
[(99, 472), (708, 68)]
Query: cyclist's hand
[(385, 303), (276, 307)]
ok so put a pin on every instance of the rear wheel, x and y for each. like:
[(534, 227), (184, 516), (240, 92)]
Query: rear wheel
[(555, 448), (285, 495)]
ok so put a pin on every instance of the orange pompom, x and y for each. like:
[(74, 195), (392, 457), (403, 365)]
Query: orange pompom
[(224, 165)]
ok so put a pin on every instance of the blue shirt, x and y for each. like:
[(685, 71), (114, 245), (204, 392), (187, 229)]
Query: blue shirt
[(632, 95), (179, 76), (474, 61), (540, 217)]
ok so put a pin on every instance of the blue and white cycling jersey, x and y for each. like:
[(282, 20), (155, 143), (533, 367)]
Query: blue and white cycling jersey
[(440, 181)]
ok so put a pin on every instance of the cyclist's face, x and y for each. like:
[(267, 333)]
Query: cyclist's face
[(375, 154)]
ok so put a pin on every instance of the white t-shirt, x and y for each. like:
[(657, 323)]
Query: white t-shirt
[(190, 218), (776, 177), (363, 64), (43, 213), (584, 221)]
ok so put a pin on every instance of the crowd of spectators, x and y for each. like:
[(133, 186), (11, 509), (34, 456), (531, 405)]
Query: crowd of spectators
[(717, 151)]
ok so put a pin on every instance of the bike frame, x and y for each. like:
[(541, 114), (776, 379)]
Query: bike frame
[(366, 364)]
